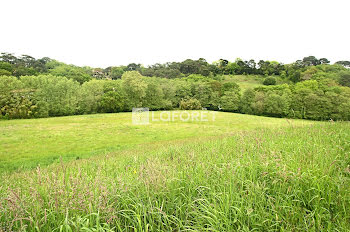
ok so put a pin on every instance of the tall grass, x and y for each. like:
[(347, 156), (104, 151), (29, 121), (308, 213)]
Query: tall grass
[(287, 179)]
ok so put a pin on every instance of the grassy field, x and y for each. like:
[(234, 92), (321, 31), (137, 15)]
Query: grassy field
[(28, 143), (250, 81), (238, 172), (246, 82)]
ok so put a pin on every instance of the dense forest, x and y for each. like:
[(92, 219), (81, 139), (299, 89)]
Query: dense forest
[(310, 88)]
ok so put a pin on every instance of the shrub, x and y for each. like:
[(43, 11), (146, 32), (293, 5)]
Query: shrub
[(270, 81), (4, 72), (190, 104)]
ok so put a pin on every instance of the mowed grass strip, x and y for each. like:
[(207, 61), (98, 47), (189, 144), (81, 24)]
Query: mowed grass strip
[(28, 143), (282, 179)]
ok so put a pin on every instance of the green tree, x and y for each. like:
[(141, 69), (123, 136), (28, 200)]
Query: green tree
[(231, 86), (344, 63), (89, 96), (56, 93), (344, 78), (276, 105), (6, 66), (258, 104), (183, 90), (154, 98), (78, 74), (311, 60), (113, 99), (4, 72), (202, 91), (8, 85), (230, 101), (190, 104), (116, 73), (135, 89), (247, 101)]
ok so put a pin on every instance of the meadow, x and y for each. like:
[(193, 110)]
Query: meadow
[(31, 142), (237, 172), (246, 82)]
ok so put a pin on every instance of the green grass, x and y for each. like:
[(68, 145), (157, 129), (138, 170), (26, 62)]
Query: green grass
[(252, 81), (246, 81), (28, 143), (240, 172)]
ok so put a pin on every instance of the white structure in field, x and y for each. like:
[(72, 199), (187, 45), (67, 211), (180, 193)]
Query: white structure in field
[(140, 116)]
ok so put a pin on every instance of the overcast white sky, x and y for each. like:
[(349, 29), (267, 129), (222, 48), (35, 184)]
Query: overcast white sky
[(103, 33)]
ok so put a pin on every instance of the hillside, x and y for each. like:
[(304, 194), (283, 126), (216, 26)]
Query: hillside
[(245, 81)]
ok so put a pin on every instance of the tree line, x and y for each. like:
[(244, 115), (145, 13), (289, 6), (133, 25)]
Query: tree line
[(26, 65), (48, 95), (310, 88)]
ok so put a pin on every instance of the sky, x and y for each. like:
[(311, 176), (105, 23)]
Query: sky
[(110, 33)]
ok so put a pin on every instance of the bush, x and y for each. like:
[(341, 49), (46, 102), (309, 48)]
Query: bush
[(190, 104), (345, 79), (4, 72), (270, 81)]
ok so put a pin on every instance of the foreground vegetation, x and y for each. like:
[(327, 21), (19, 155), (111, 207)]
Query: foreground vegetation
[(255, 173)]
